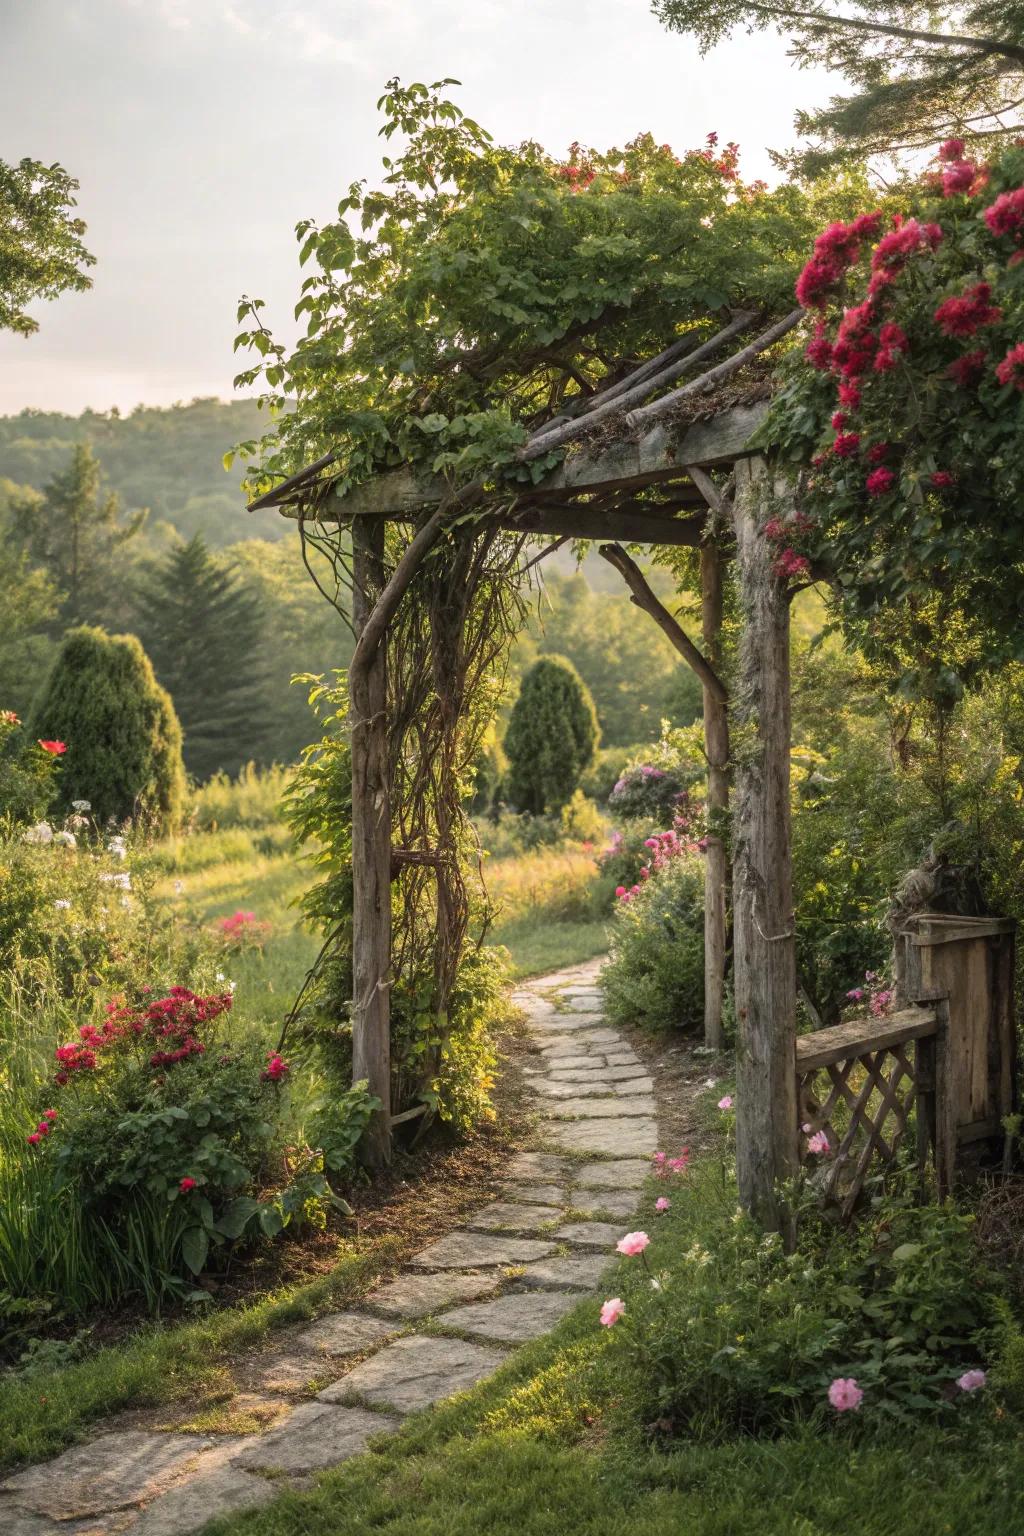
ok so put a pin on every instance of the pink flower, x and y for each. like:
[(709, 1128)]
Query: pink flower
[(276, 1068), (942, 480), (844, 1394), (1006, 214), (49, 1114), (620, 891), (849, 394), (880, 482), (818, 351), (681, 1163), (43, 1127), (632, 1244), (612, 1311), (958, 178), (662, 1203), (186, 1184), (725, 1103), (818, 1143), (971, 1381), (34, 1139), (846, 444), (659, 1158), (952, 150)]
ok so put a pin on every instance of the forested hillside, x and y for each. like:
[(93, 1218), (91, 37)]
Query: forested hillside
[(131, 522)]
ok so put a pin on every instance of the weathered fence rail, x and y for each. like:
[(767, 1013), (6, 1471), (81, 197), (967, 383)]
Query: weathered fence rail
[(858, 1083)]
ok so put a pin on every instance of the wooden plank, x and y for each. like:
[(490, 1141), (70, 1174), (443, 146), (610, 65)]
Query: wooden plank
[(587, 522), (659, 454), (857, 1037), (716, 750), (942, 929), (767, 1145)]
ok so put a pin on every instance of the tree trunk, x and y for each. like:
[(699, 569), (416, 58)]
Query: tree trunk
[(763, 922), (716, 746), (371, 848)]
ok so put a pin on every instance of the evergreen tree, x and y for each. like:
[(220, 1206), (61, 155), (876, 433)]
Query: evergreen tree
[(121, 736), (75, 533), (920, 71), (551, 738), (203, 630)]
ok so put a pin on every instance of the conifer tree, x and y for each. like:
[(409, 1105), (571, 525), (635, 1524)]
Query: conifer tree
[(115, 728), (551, 737), (203, 628), (76, 532)]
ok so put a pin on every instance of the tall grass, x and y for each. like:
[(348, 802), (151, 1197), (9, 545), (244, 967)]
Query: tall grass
[(253, 799)]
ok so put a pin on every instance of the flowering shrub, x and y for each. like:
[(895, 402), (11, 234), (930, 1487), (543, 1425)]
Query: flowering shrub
[(648, 793), (655, 975), (242, 931), (875, 994), (873, 1324), (905, 404), (28, 771)]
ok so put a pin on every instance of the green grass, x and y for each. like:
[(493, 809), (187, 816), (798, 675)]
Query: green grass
[(538, 945), (47, 1407)]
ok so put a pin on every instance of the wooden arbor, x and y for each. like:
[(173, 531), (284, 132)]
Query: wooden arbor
[(666, 480)]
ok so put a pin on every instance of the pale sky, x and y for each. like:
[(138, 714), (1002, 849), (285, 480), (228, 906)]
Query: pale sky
[(202, 130)]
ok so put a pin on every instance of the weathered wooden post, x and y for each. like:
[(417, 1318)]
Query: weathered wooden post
[(764, 957), (716, 746), (371, 848)]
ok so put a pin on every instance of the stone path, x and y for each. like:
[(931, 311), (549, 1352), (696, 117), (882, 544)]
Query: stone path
[(516, 1267)]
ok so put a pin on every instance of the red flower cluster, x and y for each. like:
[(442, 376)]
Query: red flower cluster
[(186, 1184), (967, 370), (835, 250), (967, 312), (846, 445), (895, 249), (880, 482), (1011, 369), (275, 1069), (726, 164), (942, 480), (237, 923), (1006, 215), (170, 1023), (54, 748), (43, 1128)]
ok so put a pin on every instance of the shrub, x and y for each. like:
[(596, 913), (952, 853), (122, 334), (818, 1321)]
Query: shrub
[(655, 976), (648, 793), (606, 769), (253, 799), (122, 736), (744, 1338), (28, 771), (551, 737)]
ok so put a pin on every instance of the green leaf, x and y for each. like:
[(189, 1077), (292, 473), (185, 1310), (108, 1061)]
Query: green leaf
[(234, 1219), (195, 1245)]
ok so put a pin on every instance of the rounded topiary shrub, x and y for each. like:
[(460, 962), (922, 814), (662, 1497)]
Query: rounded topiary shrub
[(551, 737), (121, 737), (655, 976)]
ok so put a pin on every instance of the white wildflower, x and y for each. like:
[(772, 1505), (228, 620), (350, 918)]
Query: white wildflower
[(126, 901), (117, 847), (179, 886), (62, 905), (65, 839), (41, 833), (123, 881), (81, 805)]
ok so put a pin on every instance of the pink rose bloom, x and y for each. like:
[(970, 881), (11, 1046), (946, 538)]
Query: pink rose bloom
[(970, 1381), (659, 1158), (632, 1244), (818, 1143), (612, 1311), (725, 1103), (844, 1394), (662, 1204)]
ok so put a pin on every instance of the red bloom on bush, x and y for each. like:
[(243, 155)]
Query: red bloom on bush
[(967, 370), (849, 394), (818, 351), (276, 1067), (34, 1139), (958, 178), (1011, 369), (895, 249), (835, 249), (953, 149), (846, 444), (1006, 215), (877, 452), (942, 480), (49, 1114), (55, 748), (880, 482), (839, 421), (788, 563), (967, 312), (186, 1184)]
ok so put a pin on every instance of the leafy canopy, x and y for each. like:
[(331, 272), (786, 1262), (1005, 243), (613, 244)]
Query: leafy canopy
[(482, 288), (906, 416), (41, 250), (920, 70)]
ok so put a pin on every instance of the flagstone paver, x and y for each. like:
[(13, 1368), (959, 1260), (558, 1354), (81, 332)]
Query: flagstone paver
[(344, 1333), (507, 1216), (113, 1472), (485, 1280), (315, 1435), (513, 1319), (416, 1295), (470, 1250), (415, 1372)]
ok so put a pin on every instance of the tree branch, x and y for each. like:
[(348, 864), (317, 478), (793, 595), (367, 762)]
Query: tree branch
[(642, 595), (885, 29)]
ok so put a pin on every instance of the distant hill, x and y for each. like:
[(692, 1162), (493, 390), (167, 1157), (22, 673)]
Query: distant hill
[(167, 459)]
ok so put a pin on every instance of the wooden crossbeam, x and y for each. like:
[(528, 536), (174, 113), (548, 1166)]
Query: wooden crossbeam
[(843, 1042)]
